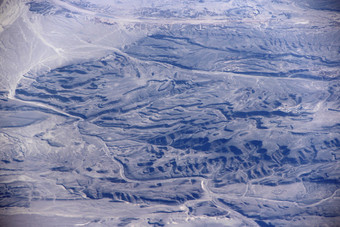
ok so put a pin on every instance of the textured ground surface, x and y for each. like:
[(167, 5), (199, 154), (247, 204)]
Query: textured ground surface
[(169, 113)]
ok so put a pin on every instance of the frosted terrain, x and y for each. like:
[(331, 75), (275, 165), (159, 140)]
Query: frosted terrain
[(169, 113)]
